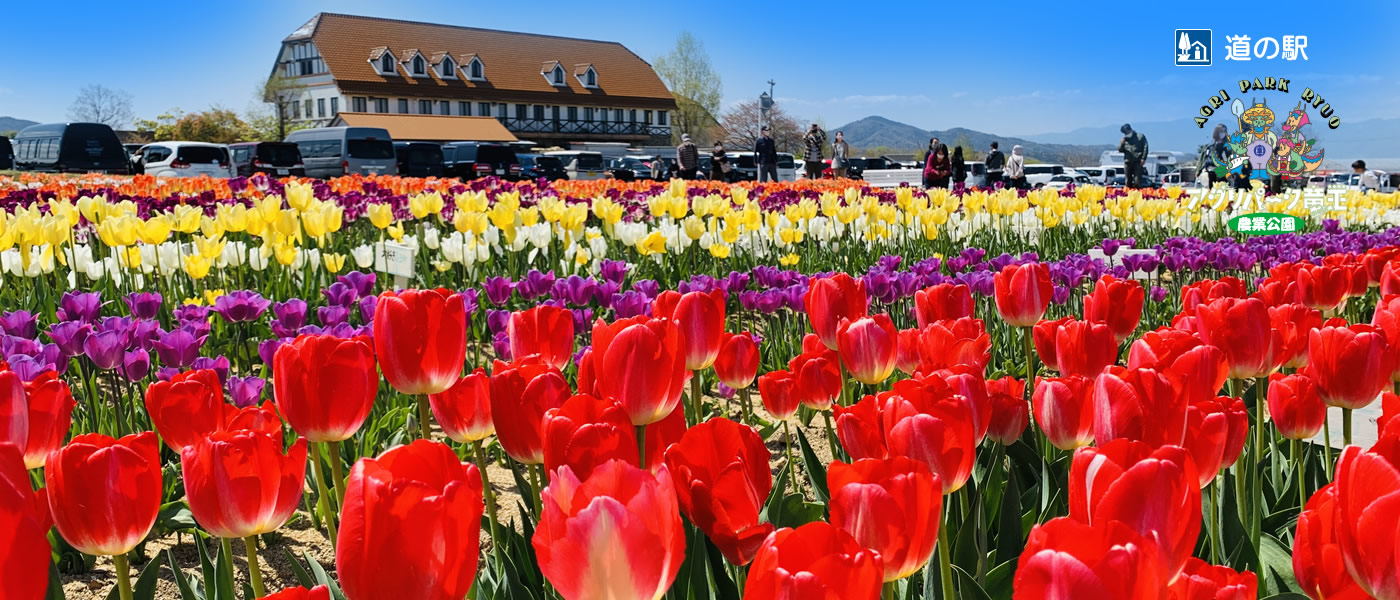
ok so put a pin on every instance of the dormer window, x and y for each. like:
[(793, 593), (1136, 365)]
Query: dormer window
[(420, 66), (472, 67), (586, 75), (386, 64), (477, 72), (415, 64), (553, 72), (383, 61), (444, 65), (558, 75)]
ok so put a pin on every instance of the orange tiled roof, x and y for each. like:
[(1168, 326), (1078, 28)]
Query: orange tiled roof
[(431, 128), (347, 43)]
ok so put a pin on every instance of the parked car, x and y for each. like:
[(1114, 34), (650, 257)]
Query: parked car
[(535, 166), (274, 159), (334, 151), (70, 148), (1040, 174), (1064, 180), (419, 159), (581, 165), (472, 160), (787, 167), (183, 159), (7, 153), (633, 165), (1102, 174)]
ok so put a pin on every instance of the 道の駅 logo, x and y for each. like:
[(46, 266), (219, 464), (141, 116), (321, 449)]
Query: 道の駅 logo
[(1193, 47)]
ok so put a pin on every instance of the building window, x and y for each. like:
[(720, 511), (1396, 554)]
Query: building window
[(539, 112), (296, 110), (335, 106), (359, 104), (557, 75), (617, 115), (475, 70), (320, 108), (646, 117), (403, 106), (573, 113), (520, 112), (386, 64), (420, 66), (381, 105), (444, 107), (588, 114), (447, 69), (632, 116), (307, 108), (554, 113), (483, 109), (592, 78), (464, 109), (425, 107), (660, 117)]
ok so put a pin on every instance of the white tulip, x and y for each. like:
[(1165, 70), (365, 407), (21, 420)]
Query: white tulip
[(364, 256)]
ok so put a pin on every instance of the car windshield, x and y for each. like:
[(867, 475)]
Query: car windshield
[(590, 162), (280, 155), (496, 155), (201, 154), (785, 161), (370, 149), (425, 154), (548, 162)]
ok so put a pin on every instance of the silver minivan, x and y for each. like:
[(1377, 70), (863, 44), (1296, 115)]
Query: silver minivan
[(335, 151), (581, 165)]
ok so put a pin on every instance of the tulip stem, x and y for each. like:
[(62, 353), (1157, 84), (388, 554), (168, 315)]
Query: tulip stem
[(1327, 444), (746, 409), (487, 491), (889, 591), (1302, 472), (123, 568), (250, 545), (322, 502), (696, 402), (945, 564), (792, 469), (337, 474), (642, 446), (537, 478), (1256, 523), (1346, 426), (425, 429), (831, 436)]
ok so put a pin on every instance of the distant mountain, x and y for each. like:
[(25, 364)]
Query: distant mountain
[(876, 132), (11, 123), (1352, 140)]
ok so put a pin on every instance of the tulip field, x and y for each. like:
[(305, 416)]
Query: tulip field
[(382, 388)]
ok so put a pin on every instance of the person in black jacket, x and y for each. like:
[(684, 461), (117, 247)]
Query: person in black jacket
[(766, 155), (959, 166), (995, 161)]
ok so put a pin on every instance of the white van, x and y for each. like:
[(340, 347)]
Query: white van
[(581, 165), (334, 151), (1038, 175), (1102, 174), (183, 159), (787, 167)]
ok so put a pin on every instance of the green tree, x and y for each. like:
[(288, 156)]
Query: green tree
[(216, 125), (969, 153), (277, 94), (694, 84), (161, 128)]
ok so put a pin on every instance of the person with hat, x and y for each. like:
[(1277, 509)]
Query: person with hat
[(687, 157), (1134, 149), (766, 155)]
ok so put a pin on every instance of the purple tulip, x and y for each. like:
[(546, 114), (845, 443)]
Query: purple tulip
[(498, 289), (583, 318), (1061, 295), (136, 364), (332, 315), (613, 270), (496, 320), (267, 349), (630, 304), (241, 306), (736, 282), (470, 301), (178, 348), (141, 334), (20, 323), (166, 373), (219, 366), (28, 369), (647, 287), (1158, 293), (191, 312), (535, 284), (501, 343), (245, 391), (339, 294), (603, 292), (105, 349), (288, 316), (362, 283), (69, 336), (748, 300), (79, 306), (367, 306), (143, 305), (13, 346)]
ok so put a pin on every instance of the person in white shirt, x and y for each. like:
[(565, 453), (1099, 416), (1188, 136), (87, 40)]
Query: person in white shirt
[(1369, 180)]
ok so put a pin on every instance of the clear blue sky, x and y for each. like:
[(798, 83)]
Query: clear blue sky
[(1006, 67)]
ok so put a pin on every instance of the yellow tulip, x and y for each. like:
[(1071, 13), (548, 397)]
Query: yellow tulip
[(210, 247), (653, 243), (299, 195), (380, 215), (192, 302), (210, 227), (530, 216), (789, 260), (187, 218), (720, 251), (395, 231), (471, 201), (693, 226), (197, 267), (314, 223), (427, 203), (233, 217), (211, 295), (333, 261), (286, 254), (269, 208)]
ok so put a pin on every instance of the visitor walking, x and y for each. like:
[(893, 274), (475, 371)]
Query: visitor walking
[(814, 144), (1015, 171), (1219, 154), (995, 161), (959, 167), (1134, 149), (937, 169), (840, 160), (719, 164), (687, 157), (765, 153)]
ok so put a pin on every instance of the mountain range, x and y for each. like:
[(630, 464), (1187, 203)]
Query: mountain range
[(879, 132), (13, 124)]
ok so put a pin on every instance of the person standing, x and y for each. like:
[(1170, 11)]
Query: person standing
[(1015, 171), (840, 159), (719, 163), (814, 144), (765, 153), (959, 167), (1134, 149), (937, 169), (995, 161), (687, 157), (1219, 155)]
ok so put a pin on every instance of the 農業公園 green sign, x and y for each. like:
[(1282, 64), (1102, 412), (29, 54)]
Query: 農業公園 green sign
[(1266, 223)]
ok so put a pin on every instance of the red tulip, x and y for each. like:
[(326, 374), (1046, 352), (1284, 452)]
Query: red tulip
[(700, 316), (420, 337), (1116, 303), (861, 429), (1375, 260), (868, 346), (1294, 322), (464, 410), (1368, 516), (926, 422), (545, 331), (616, 534), (521, 393), (1084, 348), (1390, 278), (661, 435), (1241, 328), (35, 416), (779, 392), (1065, 558), (1196, 370), (1064, 409), (1138, 404), (722, 481), (1386, 319), (1277, 292), (969, 383), (325, 386), (1323, 288), (1207, 431), (24, 516), (736, 365), (1155, 492), (104, 493), (816, 561), (586, 432), (829, 300), (1009, 410), (319, 592), (943, 302), (1044, 335), (587, 378), (907, 356), (1294, 406), (818, 379), (1237, 416), (640, 362), (945, 344), (1210, 290), (188, 407), (1200, 580), (1023, 292), (262, 418), (1390, 408), (1351, 365), (242, 483), (891, 506), (1318, 565), (411, 525)]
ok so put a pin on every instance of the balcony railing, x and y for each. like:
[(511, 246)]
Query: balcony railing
[(585, 127)]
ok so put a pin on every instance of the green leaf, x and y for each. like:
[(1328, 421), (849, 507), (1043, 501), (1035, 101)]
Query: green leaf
[(1010, 539), (322, 578), (1275, 558), (223, 575), (1287, 596), (175, 516), (55, 591), (967, 586), (526, 490), (1000, 579), (206, 568), (795, 511), (182, 581), (724, 587), (145, 588), (816, 471), (303, 578)]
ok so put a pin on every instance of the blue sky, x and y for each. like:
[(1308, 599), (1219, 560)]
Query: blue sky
[(1014, 68)]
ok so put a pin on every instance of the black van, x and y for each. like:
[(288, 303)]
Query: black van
[(419, 159), (7, 154), (70, 148), (470, 160), (275, 159)]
